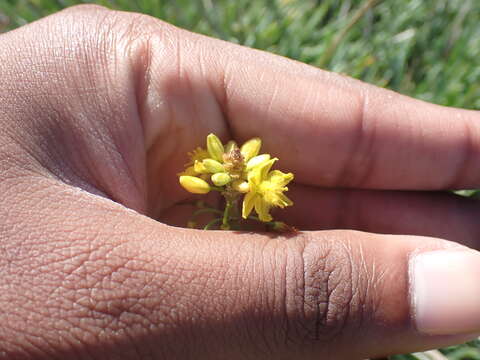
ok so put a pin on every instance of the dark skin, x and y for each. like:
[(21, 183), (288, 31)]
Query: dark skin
[(98, 110)]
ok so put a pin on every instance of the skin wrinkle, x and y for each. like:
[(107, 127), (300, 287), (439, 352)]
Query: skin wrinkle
[(371, 280), (64, 166), (357, 302), (101, 49), (465, 161), (367, 138)]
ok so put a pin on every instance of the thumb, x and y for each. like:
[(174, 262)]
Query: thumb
[(358, 295), (130, 287), (349, 295)]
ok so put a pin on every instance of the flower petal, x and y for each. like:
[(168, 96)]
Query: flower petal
[(257, 161), (254, 176), (284, 200), (262, 208), (248, 203), (265, 168), (279, 178)]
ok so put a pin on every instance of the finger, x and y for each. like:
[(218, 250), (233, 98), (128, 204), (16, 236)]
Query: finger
[(442, 215), (156, 291), (335, 131)]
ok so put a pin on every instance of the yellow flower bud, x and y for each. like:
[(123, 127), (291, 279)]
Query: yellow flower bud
[(221, 179), (241, 186), (213, 166), (194, 185), (230, 146), (251, 148), (257, 160), (215, 147)]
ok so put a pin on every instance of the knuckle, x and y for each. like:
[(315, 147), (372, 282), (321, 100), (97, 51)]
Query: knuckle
[(329, 296)]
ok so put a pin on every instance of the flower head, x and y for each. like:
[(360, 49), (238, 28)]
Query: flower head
[(237, 171)]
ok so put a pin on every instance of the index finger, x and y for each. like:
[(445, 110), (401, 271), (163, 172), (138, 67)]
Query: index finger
[(332, 130)]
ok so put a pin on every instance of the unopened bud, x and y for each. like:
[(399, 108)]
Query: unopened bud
[(230, 146), (221, 179), (194, 185), (213, 166), (251, 148), (215, 147)]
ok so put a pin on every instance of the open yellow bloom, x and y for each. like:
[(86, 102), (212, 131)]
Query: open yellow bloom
[(197, 154), (266, 190)]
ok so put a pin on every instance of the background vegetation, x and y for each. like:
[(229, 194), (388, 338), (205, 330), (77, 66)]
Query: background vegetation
[(429, 49)]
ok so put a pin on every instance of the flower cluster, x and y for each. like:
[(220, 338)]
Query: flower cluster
[(237, 171)]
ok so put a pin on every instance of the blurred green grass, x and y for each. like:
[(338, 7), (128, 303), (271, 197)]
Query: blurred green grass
[(429, 49)]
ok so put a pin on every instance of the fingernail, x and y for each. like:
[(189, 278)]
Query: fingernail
[(445, 291)]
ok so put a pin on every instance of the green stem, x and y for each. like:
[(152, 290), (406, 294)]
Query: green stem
[(217, 188), (211, 223), (226, 214)]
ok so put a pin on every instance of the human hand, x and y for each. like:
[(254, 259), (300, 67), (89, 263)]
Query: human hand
[(99, 106)]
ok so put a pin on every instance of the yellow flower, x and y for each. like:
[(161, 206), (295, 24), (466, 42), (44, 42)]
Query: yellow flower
[(266, 190), (197, 154)]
